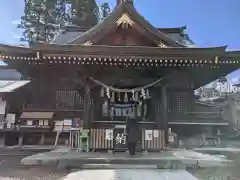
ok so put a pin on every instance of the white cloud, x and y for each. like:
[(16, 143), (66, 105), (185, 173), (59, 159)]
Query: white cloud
[(15, 36), (16, 22)]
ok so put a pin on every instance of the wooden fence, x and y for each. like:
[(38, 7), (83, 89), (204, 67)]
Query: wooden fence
[(153, 140), (98, 140)]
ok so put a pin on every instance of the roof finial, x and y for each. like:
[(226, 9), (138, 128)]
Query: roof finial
[(123, 1)]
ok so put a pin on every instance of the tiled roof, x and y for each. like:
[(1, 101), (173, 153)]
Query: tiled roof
[(63, 37)]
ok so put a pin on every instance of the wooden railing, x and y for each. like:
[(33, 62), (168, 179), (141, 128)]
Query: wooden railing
[(195, 116), (50, 107)]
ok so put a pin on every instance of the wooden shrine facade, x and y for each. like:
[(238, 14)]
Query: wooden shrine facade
[(120, 69)]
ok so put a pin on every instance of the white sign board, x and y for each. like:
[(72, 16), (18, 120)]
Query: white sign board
[(29, 122), (155, 133), (148, 135), (67, 122), (109, 134), (58, 126)]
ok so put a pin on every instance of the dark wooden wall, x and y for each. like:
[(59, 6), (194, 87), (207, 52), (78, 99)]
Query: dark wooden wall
[(125, 37), (177, 102)]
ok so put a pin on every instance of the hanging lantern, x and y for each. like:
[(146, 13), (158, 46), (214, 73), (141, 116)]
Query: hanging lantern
[(113, 97), (102, 92), (125, 97), (108, 93)]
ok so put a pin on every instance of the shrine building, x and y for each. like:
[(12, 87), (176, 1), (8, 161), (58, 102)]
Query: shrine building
[(120, 69)]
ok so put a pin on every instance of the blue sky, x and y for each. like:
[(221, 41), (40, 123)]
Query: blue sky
[(209, 22)]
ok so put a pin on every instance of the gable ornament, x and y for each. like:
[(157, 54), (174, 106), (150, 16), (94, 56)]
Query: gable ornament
[(162, 45), (125, 21), (88, 43)]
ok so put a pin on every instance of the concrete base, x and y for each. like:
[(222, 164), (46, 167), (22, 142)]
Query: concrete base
[(71, 159)]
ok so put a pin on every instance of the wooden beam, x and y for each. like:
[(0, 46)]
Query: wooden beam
[(87, 99)]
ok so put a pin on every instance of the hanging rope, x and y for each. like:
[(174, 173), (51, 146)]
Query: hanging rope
[(126, 90)]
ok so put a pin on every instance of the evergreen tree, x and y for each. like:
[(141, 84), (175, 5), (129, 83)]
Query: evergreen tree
[(87, 12), (37, 23), (43, 18), (105, 10)]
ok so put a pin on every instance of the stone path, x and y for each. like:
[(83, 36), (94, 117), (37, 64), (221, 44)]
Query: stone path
[(127, 174)]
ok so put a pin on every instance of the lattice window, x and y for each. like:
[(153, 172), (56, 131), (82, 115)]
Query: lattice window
[(170, 103), (68, 99), (179, 102), (91, 102)]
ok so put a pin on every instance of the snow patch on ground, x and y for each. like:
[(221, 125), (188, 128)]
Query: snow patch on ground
[(126, 174), (199, 156)]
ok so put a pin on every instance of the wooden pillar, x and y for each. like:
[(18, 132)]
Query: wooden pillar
[(42, 139), (164, 111), (20, 140), (158, 108), (87, 99), (56, 139)]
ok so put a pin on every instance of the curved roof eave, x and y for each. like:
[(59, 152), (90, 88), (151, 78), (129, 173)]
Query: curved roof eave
[(67, 47), (173, 29)]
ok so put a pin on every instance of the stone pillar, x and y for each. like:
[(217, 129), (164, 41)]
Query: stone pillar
[(42, 139), (164, 111)]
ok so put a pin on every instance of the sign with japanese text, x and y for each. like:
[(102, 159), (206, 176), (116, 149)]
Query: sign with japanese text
[(120, 139)]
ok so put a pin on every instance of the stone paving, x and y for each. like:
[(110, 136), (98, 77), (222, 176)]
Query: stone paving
[(76, 159)]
